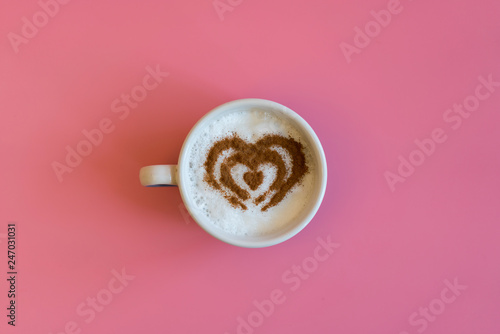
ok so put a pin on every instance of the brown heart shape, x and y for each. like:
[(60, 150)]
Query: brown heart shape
[(252, 156), (253, 179)]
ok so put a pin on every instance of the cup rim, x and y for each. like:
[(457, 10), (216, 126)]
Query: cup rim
[(215, 231)]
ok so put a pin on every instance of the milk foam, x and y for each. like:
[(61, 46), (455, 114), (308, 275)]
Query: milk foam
[(249, 125)]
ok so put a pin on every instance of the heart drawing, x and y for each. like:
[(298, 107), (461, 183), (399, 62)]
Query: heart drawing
[(269, 150)]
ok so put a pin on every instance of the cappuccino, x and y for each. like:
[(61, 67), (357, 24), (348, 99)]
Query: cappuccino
[(250, 172)]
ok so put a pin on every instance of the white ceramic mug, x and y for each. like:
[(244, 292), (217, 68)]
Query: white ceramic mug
[(175, 175)]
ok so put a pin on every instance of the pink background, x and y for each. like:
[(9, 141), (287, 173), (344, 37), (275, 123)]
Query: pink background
[(398, 249)]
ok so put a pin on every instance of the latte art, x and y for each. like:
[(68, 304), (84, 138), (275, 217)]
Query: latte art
[(253, 157), (251, 172)]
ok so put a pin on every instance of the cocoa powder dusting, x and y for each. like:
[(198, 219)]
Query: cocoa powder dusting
[(253, 179), (252, 156)]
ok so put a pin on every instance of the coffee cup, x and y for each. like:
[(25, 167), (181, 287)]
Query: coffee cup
[(251, 173)]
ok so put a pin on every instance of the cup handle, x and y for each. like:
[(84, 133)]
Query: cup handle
[(158, 175)]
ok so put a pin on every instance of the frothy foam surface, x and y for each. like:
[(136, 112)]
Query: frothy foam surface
[(249, 125)]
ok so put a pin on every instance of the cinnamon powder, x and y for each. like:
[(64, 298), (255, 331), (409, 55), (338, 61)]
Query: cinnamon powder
[(252, 156)]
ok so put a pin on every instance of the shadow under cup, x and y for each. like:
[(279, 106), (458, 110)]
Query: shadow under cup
[(295, 224)]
